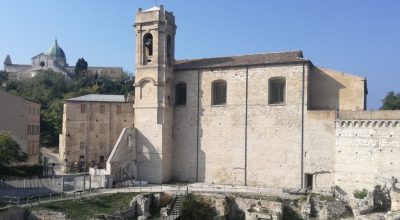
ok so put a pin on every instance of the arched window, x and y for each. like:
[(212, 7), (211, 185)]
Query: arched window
[(147, 47), (277, 90), (180, 94), (219, 92), (169, 50)]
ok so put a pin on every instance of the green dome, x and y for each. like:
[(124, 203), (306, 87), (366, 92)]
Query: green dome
[(56, 51)]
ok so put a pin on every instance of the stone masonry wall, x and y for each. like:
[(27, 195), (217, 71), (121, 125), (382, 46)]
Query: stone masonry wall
[(273, 135), (367, 150), (97, 131)]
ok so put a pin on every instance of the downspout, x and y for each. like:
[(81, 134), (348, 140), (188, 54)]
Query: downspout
[(245, 125), (302, 129), (198, 125)]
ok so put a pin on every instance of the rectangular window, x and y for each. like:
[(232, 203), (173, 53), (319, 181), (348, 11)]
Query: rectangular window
[(277, 91), (81, 157), (102, 145), (29, 130), (101, 158), (102, 109), (33, 111), (180, 94), (219, 93), (119, 109), (81, 127), (83, 108), (38, 129), (82, 145)]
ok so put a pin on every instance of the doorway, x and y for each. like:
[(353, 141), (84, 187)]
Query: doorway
[(309, 181)]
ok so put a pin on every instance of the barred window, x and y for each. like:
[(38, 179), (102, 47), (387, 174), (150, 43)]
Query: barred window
[(180, 94), (83, 108), (277, 91), (219, 92)]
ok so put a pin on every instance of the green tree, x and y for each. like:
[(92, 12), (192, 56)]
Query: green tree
[(80, 67), (391, 101), (10, 151), (3, 77)]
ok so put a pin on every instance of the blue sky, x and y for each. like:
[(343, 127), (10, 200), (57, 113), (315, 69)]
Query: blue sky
[(361, 37)]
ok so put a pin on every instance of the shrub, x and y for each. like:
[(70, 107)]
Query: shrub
[(360, 194), (196, 207)]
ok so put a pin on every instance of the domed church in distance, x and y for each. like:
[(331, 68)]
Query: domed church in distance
[(54, 59)]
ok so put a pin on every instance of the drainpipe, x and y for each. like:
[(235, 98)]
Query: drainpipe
[(302, 129), (198, 125), (245, 125)]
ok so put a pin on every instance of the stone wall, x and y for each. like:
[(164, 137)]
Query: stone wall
[(334, 90), (91, 133), (218, 141), (367, 150), (319, 148)]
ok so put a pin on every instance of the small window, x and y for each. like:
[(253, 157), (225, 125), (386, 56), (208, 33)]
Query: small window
[(219, 93), (180, 94), (82, 145), (81, 157), (101, 158), (81, 127), (38, 129), (119, 110), (83, 108), (277, 91), (102, 109), (169, 50)]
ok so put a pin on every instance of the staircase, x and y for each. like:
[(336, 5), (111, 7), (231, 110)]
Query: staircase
[(177, 204)]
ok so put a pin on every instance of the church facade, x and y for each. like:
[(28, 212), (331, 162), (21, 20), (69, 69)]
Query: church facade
[(55, 60), (272, 119)]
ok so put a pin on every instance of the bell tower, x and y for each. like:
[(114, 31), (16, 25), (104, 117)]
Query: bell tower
[(155, 42)]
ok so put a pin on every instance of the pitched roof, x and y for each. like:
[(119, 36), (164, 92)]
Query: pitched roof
[(244, 60), (99, 98)]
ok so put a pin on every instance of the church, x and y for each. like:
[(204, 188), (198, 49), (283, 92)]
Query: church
[(271, 119), (55, 60)]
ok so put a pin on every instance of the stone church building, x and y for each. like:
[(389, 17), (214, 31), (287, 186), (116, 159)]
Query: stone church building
[(272, 119), (55, 60)]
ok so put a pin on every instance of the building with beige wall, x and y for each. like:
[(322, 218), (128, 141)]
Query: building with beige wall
[(21, 118), (91, 126), (54, 60), (273, 119)]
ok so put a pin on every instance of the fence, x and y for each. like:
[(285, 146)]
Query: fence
[(32, 187)]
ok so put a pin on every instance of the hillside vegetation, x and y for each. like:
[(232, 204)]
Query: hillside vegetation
[(51, 89)]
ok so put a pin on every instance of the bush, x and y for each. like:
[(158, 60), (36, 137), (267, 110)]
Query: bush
[(196, 207), (21, 171), (360, 194)]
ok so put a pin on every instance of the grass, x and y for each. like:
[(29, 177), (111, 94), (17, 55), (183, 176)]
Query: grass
[(360, 194), (90, 207)]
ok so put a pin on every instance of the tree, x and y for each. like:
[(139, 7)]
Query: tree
[(3, 77), (10, 151), (391, 101), (80, 67)]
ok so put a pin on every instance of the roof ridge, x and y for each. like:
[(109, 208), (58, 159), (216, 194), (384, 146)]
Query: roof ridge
[(254, 54)]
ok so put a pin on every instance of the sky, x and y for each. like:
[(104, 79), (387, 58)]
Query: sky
[(361, 37)]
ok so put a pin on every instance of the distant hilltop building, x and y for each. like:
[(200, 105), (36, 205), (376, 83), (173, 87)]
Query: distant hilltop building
[(54, 59)]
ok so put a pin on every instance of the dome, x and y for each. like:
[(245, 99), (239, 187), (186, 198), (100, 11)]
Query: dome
[(56, 51)]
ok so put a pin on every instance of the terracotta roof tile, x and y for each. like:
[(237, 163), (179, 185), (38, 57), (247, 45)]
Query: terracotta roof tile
[(244, 60)]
